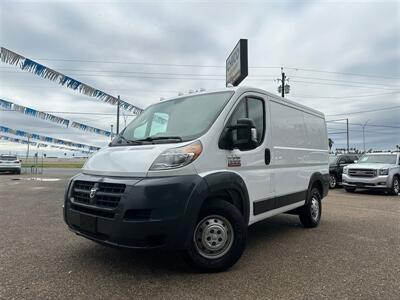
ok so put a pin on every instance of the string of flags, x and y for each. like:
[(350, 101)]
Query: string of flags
[(26, 64), (32, 112), (47, 139), (25, 142), (49, 117)]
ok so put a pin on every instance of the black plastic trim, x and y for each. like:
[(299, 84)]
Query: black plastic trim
[(263, 206)]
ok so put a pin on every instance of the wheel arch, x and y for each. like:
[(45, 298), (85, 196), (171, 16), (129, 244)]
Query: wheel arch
[(319, 181), (224, 185)]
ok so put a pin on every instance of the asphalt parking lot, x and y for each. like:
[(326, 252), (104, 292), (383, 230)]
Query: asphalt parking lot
[(354, 253)]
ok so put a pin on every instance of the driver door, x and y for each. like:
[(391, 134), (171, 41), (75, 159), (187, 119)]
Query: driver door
[(253, 165)]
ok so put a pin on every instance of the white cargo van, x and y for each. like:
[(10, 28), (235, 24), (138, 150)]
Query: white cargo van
[(193, 172)]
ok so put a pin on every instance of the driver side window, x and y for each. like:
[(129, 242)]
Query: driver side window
[(252, 108)]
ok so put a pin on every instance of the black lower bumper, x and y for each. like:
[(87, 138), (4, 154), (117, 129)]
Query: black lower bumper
[(151, 213)]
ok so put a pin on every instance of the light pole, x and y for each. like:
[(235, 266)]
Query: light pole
[(363, 127), (112, 133)]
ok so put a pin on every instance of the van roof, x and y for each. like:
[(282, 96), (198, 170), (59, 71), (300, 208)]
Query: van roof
[(243, 89)]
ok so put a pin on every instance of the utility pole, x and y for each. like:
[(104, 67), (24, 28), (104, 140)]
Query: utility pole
[(363, 127), (118, 114), (284, 88), (347, 130), (27, 152)]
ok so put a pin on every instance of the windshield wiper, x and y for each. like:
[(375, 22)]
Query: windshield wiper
[(121, 137), (155, 138)]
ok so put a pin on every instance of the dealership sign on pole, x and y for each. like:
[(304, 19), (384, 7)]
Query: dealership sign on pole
[(237, 64)]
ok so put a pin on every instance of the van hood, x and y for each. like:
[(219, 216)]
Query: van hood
[(130, 161), (369, 166)]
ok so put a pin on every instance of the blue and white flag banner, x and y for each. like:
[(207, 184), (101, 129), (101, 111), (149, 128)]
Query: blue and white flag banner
[(39, 145), (47, 139), (90, 129), (52, 118), (12, 58), (5, 104)]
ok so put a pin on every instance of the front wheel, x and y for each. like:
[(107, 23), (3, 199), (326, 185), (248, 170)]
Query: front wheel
[(332, 181), (219, 238), (395, 189), (310, 214)]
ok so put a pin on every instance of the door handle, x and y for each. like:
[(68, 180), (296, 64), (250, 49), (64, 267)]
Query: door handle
[(267, 156)]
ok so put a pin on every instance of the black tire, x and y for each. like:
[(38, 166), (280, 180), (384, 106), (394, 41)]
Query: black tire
[(310, 214), (231, 250), (395, 189), (332, 181), (18, 172), (350, 189)]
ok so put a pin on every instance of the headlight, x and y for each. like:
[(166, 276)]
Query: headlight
[(384, 172), (345, 170), (177, 157)]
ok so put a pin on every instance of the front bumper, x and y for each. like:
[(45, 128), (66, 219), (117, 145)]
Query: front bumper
[(151, 212), (377, 182)]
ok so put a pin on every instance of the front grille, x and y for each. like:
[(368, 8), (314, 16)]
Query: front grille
[(362, 172), (106, 195)]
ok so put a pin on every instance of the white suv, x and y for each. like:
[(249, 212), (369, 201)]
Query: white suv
[(374, 171), (10, 163)]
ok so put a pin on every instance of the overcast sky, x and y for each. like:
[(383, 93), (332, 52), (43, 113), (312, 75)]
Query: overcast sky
[(132, 41)]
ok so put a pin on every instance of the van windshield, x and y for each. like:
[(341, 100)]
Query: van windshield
[(177, 120)]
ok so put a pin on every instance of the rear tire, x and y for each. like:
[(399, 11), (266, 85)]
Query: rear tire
[(350, 189), (310, 214), (395, 189), (218, 239), (332, 181)]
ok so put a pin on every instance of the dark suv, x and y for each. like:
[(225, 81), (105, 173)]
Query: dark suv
[(336, 164)]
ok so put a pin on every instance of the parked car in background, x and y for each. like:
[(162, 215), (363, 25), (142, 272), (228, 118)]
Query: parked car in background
[(379, 171), (336, 165), (10, 163)]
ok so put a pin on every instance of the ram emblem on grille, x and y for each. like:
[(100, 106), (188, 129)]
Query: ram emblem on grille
[(92, 194)]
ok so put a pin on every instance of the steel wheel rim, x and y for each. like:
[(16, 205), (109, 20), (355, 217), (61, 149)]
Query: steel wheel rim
[(213, 236), (314, 208), (396, 186), (332, 181)]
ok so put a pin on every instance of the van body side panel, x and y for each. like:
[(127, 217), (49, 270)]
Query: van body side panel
[(299, 148)]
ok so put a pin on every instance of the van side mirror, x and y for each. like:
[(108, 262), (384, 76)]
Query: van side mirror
[(242, 135)]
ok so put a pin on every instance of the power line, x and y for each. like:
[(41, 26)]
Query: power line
[(369, 125), (341, 73), (259, 76), (131, 63), (56, 87), (345, 97), (337, 80), (213, 66), (216, 79), (349, 85), (126, 72), (364, 111), (171, 91)]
